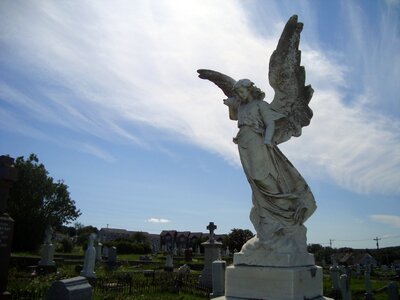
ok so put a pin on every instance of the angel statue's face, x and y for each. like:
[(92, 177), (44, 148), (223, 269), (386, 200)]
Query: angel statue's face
[(243, 93)]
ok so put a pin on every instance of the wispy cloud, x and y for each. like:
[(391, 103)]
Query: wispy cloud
[(104, 71), (158, 220), (391, 220)]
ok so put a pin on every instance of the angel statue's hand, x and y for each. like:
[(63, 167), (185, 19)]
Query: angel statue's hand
[(229, 101), (268, 143), (299, 215)]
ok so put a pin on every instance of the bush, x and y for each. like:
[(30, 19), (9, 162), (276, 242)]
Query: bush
[(65, 246), (128, 247)]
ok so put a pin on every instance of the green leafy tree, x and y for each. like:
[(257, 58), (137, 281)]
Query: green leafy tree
[(237, 237), (36, 201), (83, 234)]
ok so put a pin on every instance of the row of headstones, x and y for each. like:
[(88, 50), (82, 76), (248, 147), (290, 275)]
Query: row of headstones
[(92, 254), (340, 277)]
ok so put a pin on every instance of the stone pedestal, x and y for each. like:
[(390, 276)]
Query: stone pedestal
[(47, 256), (218, 278), (273, 283), (212, 252)]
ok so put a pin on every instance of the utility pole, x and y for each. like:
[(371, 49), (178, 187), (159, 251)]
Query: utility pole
[(377, 242), (330, 242)]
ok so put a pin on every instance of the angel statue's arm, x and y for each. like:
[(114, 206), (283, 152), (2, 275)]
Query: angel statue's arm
[(233, 105), (225, 83), (269, 132)]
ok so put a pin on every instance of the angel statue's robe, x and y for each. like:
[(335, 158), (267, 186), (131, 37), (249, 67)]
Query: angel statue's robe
[(278, 189)]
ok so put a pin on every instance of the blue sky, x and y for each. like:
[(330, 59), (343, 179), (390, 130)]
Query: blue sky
[(107, 95)]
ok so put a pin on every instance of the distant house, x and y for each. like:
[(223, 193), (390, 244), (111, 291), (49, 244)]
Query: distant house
[(362, 259), (168, 239), (112, 234)]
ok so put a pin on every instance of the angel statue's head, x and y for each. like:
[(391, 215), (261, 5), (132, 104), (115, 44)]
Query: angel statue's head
[(245, 88)]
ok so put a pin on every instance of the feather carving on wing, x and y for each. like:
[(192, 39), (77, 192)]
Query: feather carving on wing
[(286, 77)]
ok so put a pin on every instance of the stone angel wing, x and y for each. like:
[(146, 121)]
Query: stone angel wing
[(287, 78), (225, 83)]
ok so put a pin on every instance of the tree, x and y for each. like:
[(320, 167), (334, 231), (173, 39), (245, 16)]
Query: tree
[(236, 239), (36, 202)]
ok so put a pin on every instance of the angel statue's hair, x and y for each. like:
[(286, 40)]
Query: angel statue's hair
[(248, 84)]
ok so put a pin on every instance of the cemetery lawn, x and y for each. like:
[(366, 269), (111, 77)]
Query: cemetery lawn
[(357, 287)]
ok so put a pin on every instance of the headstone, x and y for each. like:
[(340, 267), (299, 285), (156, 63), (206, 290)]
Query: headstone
[(344, 287), (184, 270), (211, 253), (112, 256), (367, 282), (218, 278), (99, 251), (76, 288), (392, 291), (227, 252), (8, 174), (90, 258), (335, 279), (358, 269), (47, 252), (169, 265), (188, 254), (105, 252)]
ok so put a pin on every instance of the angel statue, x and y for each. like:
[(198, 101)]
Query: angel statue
[(282, 200)]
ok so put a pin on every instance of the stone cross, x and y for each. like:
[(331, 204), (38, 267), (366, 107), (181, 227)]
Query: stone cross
[(211, 227)]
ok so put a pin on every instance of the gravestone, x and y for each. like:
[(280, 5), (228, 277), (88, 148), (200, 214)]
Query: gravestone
[(47, 253), (112, 256), (335, 280), (105, 252), (90, 258), (99, 251), (77, 288), (367, 282), (212, 252), (218, 278), (188, 254), (169, 264), (345, 287), (393, 294), (8, 174)]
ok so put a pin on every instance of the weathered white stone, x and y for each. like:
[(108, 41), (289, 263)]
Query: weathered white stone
[(90, 258), (345, 287), (47, 252), (272, 283), (212, 252), (218, 278), (262, 258)]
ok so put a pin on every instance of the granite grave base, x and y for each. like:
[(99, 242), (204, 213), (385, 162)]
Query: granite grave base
[(273, 283)]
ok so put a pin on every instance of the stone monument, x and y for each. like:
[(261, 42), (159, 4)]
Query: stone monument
[(8, 174), (76, 288), (212, 252), (274, 264), (90, 258), (47, 253)]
